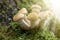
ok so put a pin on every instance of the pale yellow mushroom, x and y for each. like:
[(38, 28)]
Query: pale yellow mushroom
[(34, 15), (36, 8), (20, 14)]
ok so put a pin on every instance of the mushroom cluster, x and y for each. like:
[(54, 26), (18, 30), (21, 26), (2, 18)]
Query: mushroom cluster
[(32, 20)]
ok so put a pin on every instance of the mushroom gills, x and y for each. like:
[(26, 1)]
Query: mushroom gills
[(25, 24)]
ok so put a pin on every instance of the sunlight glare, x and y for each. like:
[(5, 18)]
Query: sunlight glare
[(56, 6)]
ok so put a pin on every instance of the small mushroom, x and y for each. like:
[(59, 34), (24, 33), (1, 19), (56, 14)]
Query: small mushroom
[(34, 15), (20, 14), (35, 8)]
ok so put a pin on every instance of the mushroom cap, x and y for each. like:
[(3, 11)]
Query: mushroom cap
[(23, 11), (18, 17), (36, 6), (33, 16), (20, 14)]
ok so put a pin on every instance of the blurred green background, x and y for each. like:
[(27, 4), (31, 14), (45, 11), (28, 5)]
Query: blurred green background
[(10, 30)]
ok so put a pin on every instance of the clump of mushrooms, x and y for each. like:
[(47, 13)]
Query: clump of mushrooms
[(28, 22), (32, 20), (22, 19)]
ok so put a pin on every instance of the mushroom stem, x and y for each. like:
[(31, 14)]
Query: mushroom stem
[(25, 24)]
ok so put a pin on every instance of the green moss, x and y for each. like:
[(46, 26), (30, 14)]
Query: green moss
[(18, 34), (58, 28)]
